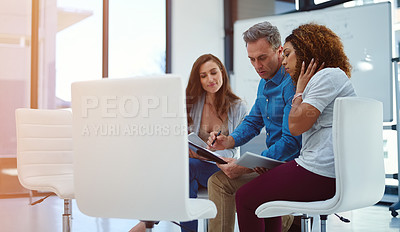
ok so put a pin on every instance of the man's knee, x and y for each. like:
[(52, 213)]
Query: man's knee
[(217, 179)]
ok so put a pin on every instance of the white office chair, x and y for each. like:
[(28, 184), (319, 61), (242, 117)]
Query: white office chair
[(359, 166), (131, 150), (44, 154)]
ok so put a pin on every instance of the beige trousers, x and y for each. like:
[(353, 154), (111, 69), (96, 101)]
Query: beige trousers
[(221, 190)]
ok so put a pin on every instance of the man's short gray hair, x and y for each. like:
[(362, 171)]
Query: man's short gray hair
[(263, 30)]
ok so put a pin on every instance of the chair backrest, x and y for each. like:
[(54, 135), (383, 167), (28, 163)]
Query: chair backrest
[(358, 147), (44, 150), (131, 148)]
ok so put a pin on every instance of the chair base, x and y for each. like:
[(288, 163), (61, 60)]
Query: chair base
[(393, 208), (203, 194), (323, 219), (205, 225), (305, 223), (66, 217)]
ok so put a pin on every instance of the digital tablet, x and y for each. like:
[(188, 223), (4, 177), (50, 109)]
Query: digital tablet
[(251, 160)]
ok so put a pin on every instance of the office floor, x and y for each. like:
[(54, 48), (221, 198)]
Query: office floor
[(17, 216)]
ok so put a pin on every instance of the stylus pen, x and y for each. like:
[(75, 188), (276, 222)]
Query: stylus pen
[(219, 133)]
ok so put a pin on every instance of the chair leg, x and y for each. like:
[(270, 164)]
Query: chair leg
[(323, 219), (30, 197), (67, 215), (305, 223), (205, 225)]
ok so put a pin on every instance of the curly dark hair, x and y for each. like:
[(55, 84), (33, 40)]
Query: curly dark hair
[(224, 96), (321, 43)]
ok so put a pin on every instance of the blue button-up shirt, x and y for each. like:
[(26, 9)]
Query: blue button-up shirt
[(271, 110)]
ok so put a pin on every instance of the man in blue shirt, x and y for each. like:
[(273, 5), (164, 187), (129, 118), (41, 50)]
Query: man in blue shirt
[(270, 111)]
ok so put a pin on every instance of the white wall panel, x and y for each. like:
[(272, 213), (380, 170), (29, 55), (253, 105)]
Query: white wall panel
[(197, 28)]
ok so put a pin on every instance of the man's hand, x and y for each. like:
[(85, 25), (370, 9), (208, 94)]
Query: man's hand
[(222, 142), (231, 169)]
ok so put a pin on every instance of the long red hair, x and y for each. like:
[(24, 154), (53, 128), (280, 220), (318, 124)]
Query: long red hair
[(194, 90)]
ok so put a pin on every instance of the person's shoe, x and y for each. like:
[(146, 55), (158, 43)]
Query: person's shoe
[(140, 227), (287, 221)]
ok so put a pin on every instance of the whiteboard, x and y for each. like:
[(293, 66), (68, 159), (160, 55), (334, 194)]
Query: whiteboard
[(365, 31)]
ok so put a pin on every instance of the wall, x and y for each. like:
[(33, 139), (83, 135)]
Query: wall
[(14, 68), (371, 47), (15, 63), (197, 28), (248, 9)]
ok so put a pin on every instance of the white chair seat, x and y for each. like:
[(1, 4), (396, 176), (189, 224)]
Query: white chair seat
[(279, 208), (62, 186), (201, 208)]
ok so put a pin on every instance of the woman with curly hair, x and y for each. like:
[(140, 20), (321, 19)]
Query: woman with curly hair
[(311, 176)]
